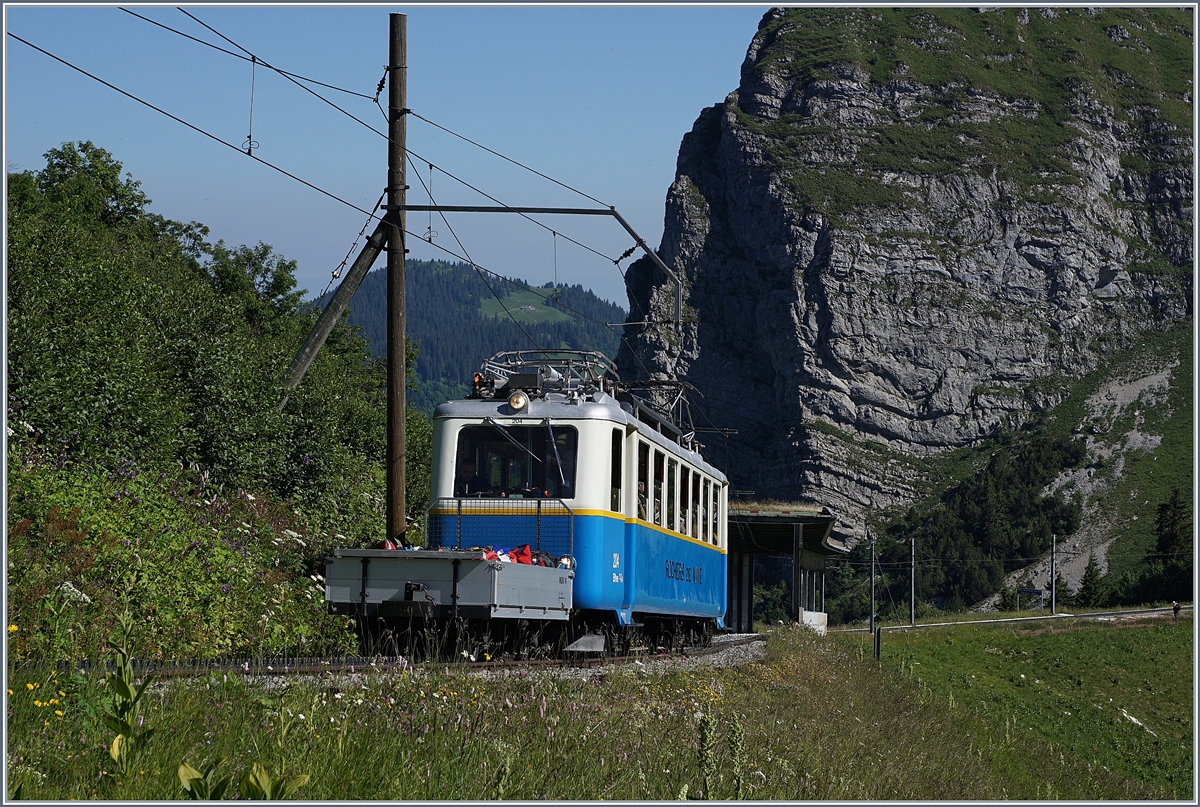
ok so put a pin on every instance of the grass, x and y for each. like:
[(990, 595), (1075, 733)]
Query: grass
[(818, 719), (1046, 683)]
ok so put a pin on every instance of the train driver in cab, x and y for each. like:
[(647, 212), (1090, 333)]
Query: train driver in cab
[(467, 482)]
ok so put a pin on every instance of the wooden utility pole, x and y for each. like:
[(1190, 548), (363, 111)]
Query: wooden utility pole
[(396, 187)]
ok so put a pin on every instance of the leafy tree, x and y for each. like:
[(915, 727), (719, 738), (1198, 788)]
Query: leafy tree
[(88, 180), (131, 337), (261, 283)]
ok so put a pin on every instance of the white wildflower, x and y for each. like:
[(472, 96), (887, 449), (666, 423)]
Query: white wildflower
[(69, 592)]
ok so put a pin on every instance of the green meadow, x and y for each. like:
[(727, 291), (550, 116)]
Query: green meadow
[(944, 714)]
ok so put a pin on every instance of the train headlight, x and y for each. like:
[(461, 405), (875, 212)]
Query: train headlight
[(518, 401)]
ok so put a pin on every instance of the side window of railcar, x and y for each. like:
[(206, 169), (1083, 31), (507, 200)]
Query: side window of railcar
[(718, 515), (712, 512), (685, 495), (617, 469), (516, 461), (672, 475), (705, 509), (695, 507), (659, 462), (643, 479)]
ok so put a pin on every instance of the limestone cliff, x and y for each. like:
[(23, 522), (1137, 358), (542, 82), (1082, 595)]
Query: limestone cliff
[(907, 228)]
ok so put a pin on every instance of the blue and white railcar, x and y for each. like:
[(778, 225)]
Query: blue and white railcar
[(551, 451), (648, 513)]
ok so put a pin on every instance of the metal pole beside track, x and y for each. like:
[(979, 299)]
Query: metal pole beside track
[(1053, 572)]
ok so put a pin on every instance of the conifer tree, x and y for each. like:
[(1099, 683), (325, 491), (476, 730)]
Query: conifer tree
[(1092, 588), (1174, 528), (1062, 592)]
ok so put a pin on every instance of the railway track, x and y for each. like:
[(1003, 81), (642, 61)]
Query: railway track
[(1095, 615), (286, 666)]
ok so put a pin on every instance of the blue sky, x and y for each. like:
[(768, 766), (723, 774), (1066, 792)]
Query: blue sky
[(596, 97)]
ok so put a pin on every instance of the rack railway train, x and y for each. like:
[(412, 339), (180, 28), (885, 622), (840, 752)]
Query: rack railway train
[(566, 513)]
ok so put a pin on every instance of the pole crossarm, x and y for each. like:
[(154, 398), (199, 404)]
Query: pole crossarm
[(568, 211)]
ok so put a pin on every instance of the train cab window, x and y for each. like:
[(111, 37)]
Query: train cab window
[(616, 471), (494, 460), (705, 509), (643, 479), (658, 486), (694, 517), (672, 476)]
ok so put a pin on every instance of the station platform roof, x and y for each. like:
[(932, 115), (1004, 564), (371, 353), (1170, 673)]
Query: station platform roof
[(774, 526)]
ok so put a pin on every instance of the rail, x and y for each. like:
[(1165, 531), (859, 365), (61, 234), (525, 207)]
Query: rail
[(547, 525)]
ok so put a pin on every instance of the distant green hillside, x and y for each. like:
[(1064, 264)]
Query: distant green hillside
[(458, 322)]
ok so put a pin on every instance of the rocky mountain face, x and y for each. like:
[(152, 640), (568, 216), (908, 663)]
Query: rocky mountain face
[(908, 229)]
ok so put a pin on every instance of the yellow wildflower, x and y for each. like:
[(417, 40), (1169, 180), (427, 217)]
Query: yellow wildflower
[(58, 712), (29, 686), (13, 628)]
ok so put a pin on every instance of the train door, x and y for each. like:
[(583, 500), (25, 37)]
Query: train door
[(616, 471)]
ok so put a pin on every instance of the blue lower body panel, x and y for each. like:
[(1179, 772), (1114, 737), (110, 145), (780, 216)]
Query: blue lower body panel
[(625, 567), (673, 575), (621, 566)]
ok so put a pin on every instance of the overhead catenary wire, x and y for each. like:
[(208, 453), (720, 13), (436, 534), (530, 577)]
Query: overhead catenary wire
[(322, 191), (509, 159), (191, 126), (293, 77), (479, 268), (308, 90), (369, 213), (615, 261), (240, 56), (523, 215), (413, 114), (476, 266), (533, 291)]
